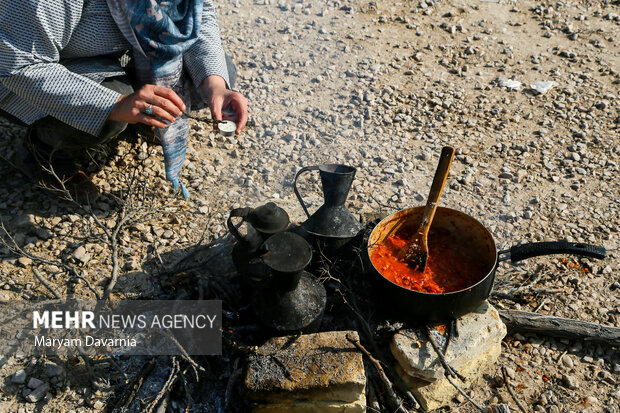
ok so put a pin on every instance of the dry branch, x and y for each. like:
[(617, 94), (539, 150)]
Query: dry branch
[(450, 371), (172, 377), (365, 327), (46, 283), (527, 322), (469, 399), (387, 384), (512, 393)]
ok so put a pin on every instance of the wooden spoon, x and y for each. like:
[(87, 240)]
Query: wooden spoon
[(415, 253)]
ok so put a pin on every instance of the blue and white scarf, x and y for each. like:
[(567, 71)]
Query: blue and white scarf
[(160, 31)]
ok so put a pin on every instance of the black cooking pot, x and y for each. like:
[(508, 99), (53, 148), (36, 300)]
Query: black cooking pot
[(467, 232)]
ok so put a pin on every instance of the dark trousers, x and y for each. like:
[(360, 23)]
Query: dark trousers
[(50, 136)]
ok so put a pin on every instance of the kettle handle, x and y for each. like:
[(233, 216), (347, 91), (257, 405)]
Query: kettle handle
[(302, 170), (237, 212)]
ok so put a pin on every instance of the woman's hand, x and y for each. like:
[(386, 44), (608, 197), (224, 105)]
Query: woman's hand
[(219, 98), (164, 104)]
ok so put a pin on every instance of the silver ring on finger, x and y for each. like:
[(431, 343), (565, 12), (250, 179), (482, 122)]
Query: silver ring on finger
[(149, 110)]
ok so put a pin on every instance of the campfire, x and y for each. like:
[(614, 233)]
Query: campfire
[(328, 310)]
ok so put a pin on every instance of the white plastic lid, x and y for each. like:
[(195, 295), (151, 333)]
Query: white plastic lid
[(227, 127)]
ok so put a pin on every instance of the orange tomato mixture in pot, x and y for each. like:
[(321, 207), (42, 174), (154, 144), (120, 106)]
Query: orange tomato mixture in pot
[(449, 267)]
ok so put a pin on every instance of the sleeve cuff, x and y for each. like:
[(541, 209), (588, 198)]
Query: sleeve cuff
[(101, 116)]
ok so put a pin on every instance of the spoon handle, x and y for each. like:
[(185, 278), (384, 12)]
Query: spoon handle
[(441, 175)]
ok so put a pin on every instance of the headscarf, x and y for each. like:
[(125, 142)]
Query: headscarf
[(160, 31)]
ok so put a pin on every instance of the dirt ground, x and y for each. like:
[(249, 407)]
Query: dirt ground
[(381, 86)]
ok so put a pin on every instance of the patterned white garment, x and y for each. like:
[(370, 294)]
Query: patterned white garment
[(54, 54)]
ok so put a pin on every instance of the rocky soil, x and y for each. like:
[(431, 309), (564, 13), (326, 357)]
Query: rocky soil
[(381, 86)]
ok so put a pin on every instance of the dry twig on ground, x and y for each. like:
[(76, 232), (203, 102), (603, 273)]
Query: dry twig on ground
[(387, 384), (172, 377), (512, 393)]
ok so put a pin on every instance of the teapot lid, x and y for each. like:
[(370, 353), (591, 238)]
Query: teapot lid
[(269, 218), (286, 252)]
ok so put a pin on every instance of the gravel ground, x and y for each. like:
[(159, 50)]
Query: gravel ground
[(382, 86)]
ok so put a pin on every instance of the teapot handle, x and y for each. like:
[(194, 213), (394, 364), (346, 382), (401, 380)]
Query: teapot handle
[(302, 170), (237, 212)]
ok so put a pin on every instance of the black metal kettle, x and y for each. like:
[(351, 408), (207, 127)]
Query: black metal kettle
[(263, 221), (290, 300)]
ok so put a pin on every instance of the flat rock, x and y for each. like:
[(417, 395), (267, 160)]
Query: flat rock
[(477, 332), (312, 367), (438, 393)]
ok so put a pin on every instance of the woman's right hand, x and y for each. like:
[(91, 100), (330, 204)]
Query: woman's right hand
[(165, 105)]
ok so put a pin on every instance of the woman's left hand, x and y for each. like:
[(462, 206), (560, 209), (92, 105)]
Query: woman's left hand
[(218, 98)]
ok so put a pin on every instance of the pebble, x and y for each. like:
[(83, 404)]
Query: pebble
[(38, 394), (19, 377), (33, 383), (591, 400), (567, 361), (569, 381), (80, 254), (53, 369), (24, 262)]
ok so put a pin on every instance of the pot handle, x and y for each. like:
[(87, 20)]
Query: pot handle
[(237, 212), (535, 249), (302, 170)]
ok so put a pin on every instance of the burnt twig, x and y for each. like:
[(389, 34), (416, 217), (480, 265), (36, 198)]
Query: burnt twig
[(236, 374), (367, 332), (188, 396), (135, 385), (389, 387), (172, 377), (371, 398), (450, 371), (242, 348)]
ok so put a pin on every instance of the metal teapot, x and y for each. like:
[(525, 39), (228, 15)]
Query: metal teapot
[(290, 300), (262, 221)]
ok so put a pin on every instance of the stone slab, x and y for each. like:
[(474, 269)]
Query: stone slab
[(477, 332), (359, 406), (321, 366), (433, 395)]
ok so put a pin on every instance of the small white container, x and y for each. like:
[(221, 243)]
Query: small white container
[(227, 127)]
